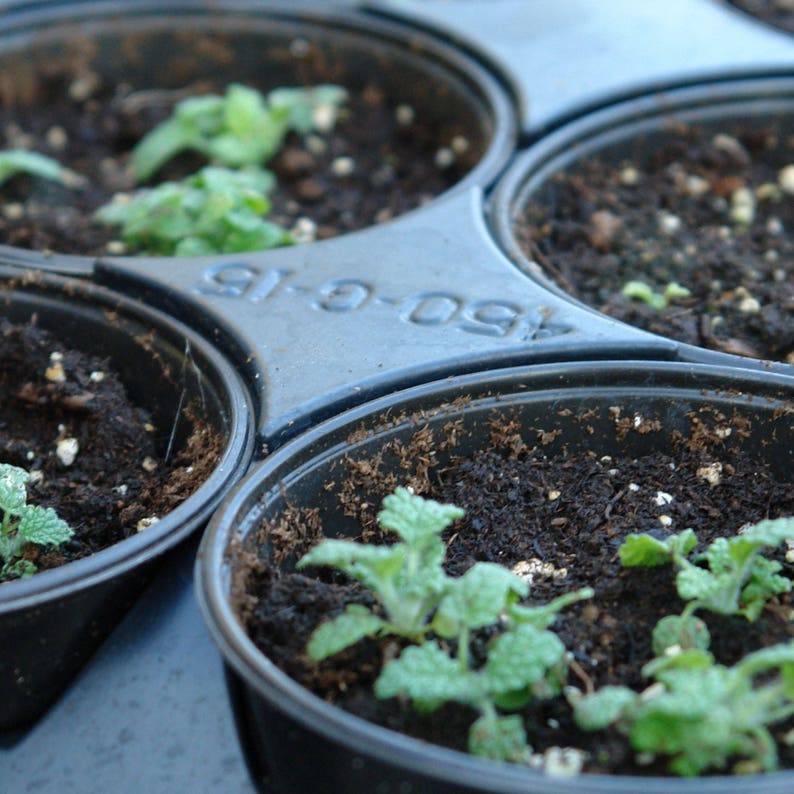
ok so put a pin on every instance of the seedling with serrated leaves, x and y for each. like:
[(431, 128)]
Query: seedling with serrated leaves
[(737, 580), (24, 525), (423, 604), (700, 714), (217, 210), (241, 128), (406, 577)]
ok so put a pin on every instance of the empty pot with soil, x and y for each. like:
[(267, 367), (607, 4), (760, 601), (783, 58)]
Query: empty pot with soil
[(127, 425), (672, 212), (83, 83), (554, 466)]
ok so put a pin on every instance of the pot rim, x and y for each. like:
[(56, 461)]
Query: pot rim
[(241, 510), (485, 83), (126, 554), (614, 124)]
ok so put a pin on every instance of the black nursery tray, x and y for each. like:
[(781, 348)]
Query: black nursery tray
[(318, 329)]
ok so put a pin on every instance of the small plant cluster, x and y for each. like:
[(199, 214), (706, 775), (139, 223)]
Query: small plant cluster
[(24, 525), (640, 291), (223, 207), (699, 713), (440, 615)]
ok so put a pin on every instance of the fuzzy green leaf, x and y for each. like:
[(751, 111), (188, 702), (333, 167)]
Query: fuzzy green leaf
[(414, 519), (770, 532), (523, 657), (355, 623), (426, 674), (686, 631), (499, 738), (42, 526), (477, 598), (645, 550), (763, 584), (13, 495), (600, 709), (371, 565)]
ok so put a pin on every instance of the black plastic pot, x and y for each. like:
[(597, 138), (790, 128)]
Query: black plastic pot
[(159, 46), (294, 741), (53, 621), (770, 12), (632, 130)]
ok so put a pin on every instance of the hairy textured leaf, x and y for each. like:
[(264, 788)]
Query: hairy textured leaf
[(371, 565), (426, 673), (499, 738), (645, 550), (602, 708), (12, 488), (521, 657), (687, 631), (42, 526), (477, 598), (355, 623), (770, 532), (414, 519)]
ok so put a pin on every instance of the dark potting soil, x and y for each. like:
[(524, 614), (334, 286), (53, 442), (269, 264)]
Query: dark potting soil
[(779, 13), (379, 162), (118, 480), (674, 214), (560, 519)]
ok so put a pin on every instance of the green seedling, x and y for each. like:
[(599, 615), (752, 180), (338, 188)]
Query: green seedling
[(730, 578), (241, 128), (406, 578), (21, 161), (216, 210), (24, 524), (700, 714), (639, 290), (440, 613)]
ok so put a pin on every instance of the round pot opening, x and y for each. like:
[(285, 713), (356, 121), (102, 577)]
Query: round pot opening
[(84, 82), (332, 480), (180, 423), (668, 212)]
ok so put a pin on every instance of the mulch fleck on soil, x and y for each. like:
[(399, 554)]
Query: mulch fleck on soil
[(118, 477), (380, 161), (712, 213), (565, 515)]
